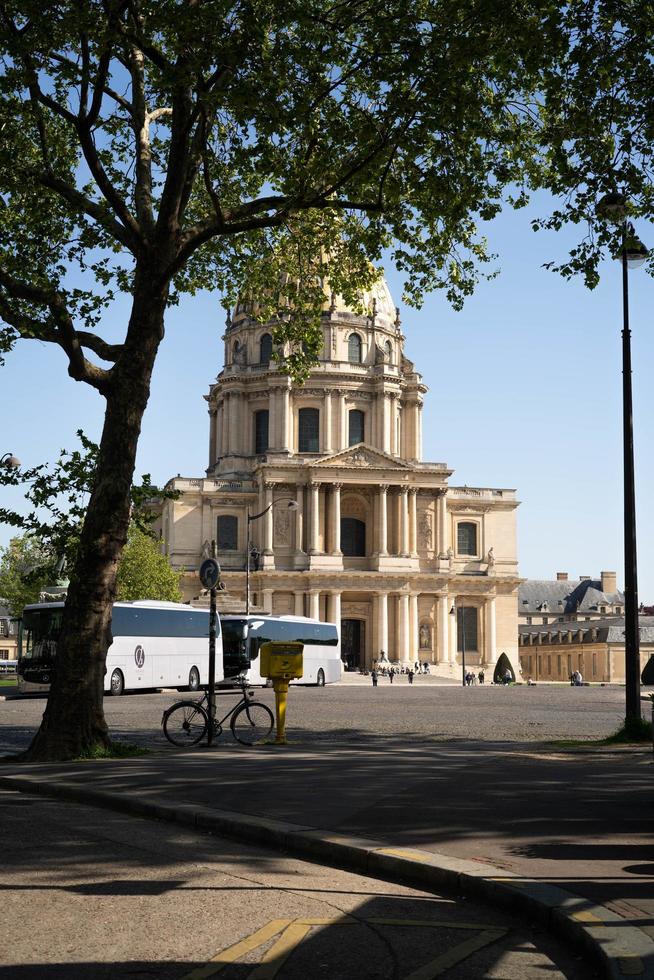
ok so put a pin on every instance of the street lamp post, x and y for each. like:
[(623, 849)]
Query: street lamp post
[(454, 612), (632, 254), (10, 461), (292, 505)]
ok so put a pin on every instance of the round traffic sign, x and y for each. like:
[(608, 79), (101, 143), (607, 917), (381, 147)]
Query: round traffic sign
[(209, 573)]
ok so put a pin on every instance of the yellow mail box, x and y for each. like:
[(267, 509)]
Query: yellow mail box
[(283, 660)]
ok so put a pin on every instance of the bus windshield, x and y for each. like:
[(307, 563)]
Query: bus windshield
[(39, 633)]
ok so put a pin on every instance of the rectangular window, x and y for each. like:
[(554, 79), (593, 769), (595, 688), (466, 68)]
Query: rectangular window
[(308, 430), (466, 628), (466, 538), (355, 423), (227, 536), (261, 431)]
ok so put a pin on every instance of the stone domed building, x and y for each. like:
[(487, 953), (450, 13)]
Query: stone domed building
[(355, 528)]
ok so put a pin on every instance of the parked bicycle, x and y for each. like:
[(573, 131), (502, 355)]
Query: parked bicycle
[(187, 722)]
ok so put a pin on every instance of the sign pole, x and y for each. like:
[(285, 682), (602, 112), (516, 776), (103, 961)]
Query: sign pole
[(209, 576)]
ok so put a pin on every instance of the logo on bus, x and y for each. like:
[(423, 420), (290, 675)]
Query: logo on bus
[(139, 656)]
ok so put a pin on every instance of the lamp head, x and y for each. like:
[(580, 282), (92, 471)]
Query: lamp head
[(635, 252), (10, 461), (612, 207), (292, 505)]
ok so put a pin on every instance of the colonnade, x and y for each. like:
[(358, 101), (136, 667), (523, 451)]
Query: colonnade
[(390, 425), (318, 528), (400, 610)]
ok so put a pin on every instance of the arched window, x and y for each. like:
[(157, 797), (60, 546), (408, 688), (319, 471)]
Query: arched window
[(227, 533), (354, 349), (388, 350), (353, 537), (355, 427), (265, 349), (261, 431), (308, 430), (466, 538)]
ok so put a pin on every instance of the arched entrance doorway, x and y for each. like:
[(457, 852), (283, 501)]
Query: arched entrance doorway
[(353, 642)]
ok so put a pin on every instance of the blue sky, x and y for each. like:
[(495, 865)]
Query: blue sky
[(524, 392)]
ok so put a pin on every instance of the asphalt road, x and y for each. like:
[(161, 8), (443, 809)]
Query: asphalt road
[(348, 712), (94, 895)]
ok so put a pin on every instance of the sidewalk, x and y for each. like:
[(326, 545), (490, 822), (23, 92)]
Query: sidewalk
[(565, 835)]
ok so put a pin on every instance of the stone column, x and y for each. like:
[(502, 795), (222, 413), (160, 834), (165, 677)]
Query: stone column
[(267, 600), (286, 412), (218, 444), (299, 519), (335, 611), (342, 421), (225, 424), (268, 521), (443, 643), (443, 542), (386, 422), (336, 518), (404, 652), (272, 418), (314, 604), (413, 626), (235, 423), (382, 499), (314, 514), (299, 603), (382, 626), (413, 522), (419, 430), (404, 522), (212, 436), (491, 630), (327, 442)]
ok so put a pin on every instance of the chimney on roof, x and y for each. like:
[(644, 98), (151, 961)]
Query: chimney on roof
[(609, 582), (561, 576), (584, 578)]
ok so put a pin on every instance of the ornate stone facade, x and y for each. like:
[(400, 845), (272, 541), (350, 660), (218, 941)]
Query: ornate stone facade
[(376, 539)]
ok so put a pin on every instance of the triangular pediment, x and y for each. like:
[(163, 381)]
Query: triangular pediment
[(365, 457)]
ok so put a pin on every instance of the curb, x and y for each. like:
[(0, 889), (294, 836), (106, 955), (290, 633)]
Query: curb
[(622, 951)]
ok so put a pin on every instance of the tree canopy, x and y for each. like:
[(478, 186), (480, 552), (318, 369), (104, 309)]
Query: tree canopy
[(157, 148)]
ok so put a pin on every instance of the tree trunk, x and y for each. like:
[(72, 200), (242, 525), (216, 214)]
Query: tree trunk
[(74, 722)]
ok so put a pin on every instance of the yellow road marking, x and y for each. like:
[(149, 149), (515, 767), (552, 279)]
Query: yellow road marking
[(293, 931), (277, 955), (453, 956), (401, 852), (232, 953), (585, 916)]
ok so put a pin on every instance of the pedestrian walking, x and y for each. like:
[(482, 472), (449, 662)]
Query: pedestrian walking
[(373, 675), (481, 676), (391, 674), (410, 676)]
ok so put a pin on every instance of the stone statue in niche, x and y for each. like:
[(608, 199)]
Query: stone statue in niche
[(490, 557), (425, 637), (450, 557), (206, 550), (425, 529)]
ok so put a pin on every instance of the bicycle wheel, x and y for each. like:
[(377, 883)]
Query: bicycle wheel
[(252, 723), (185, 723)]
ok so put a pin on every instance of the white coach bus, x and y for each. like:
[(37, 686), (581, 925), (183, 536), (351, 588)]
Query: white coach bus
[(155, 644), (243, 636)]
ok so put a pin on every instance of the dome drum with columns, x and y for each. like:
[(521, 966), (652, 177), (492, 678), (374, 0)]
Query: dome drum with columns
[(378, 541)]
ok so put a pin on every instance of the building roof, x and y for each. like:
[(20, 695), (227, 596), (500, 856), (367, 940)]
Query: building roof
[(609, 630), (567, 596)]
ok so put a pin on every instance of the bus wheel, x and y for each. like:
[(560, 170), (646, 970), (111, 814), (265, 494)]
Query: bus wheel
[(194, 679), (117, 684), (320, 679)]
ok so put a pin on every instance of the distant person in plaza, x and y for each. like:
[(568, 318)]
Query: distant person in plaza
[(577, 679), (508, 676), (410, 676), (391, 674), (481, 676), (373, 675), (425, 667)]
